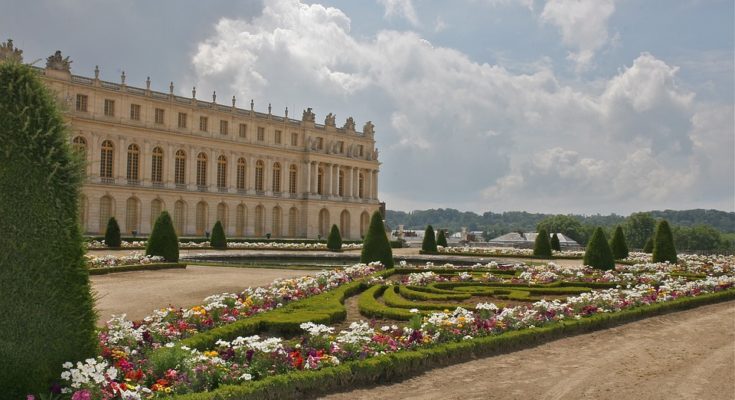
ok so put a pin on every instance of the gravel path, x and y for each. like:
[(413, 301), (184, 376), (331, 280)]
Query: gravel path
[(683, 355)]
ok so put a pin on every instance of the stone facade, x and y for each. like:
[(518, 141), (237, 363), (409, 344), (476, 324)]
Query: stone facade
[(258, 173)]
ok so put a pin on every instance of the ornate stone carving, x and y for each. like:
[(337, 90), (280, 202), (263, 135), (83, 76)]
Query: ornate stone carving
[(10, 53), (330, 120), (369, 128), (58, 62), (349, 124), (308, 115)]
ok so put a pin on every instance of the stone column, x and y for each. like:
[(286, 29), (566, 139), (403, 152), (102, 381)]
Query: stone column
[(250, 173), (191, 159), (314, 177), (169, 166), (95, 144), (212, 171), (327, 180), (355, 182), (268, 177), (375, 184), (307, 179), (145, 164), (122, 158), (368, 190), (232, 177), (334, 171)]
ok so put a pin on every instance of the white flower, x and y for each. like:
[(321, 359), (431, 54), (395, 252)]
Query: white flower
[(246, 377)]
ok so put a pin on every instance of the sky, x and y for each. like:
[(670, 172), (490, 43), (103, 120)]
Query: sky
[(556, 106)]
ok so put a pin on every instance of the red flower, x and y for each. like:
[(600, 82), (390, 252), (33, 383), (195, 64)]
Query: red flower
[(296, 360)]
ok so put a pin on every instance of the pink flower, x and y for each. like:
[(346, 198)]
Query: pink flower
[(82, 395)]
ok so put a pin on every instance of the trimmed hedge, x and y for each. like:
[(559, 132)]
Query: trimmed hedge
[(392, 298), (219, 240), (598, 253), (163, 241), (409, 292), (618, 245), (369, 306), (429, 243), (542, 246), (112, 233), (334, 240), (663, 244), (555, 244), (135, 267), (376, 246), (441, 239)]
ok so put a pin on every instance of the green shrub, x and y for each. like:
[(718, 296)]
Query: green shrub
[(648, 247), (163, 241), (370, 307), (555, 244), (429, 243), (47, 308), (219, 240), (112, 233), (414, 294), (334, 240), (392, 298), (618, 246), (598, 253), (441, 239), (542, 246), (663, 244), (376, 247)]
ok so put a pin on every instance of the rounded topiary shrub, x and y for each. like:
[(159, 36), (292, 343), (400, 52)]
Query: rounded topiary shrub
[(376, 246), (598, 253), (48, 313), (441, 239), (663, 244), (555, 243), (112, 233), (429, 243), (648, 247), (618, 245), (163, 241), (218, 240), (542, 246), (334, 240)]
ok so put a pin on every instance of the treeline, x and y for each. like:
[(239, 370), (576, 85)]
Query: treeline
[(693, 229)]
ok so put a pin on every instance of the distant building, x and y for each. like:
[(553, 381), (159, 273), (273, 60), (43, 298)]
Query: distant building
[(526, 240)]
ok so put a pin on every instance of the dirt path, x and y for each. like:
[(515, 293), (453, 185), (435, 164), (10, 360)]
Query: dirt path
[(684, 355), (139, 293)]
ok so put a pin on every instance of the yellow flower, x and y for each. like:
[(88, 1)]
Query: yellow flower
[(211, 353)]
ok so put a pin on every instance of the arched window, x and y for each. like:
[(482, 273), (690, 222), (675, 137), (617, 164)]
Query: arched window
[(259, 221), (179, 217), (79, 144), (259, 175), (341, 186), (344, 224), (106, 161), (293, 220), (133, 163), (83, 213), (131, 215), (241, 215), (202, 170), (292, 174), (277, 222), (222, 172), (201, 218), (323, 223), (240, 174), (320, 181), (361, 186), (156, 209), (276, 178), (364, 222), (157, 165), (106, 204), (222, 215), (180, 168)]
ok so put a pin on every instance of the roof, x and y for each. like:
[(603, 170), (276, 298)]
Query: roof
[(515, 237)]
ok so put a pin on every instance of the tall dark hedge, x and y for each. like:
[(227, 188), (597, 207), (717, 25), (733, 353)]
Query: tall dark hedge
[(218, 239), (429, 243), (334, 240), (542, 246), (648, 247), (376, 246), (598, 253), (163, 240), (663, 244), (47, 308), (112, 233), (555, 243), (441, 239), (618, 245)]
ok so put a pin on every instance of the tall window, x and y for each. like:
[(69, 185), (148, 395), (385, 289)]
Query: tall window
[(106, 203), (319, 143), (222, 172), (203, 124), (294, 139), (359, 150), (361, 186), (131, 215), (201, 218), (344, 224), (133, 163), (293, 215), (341, 186), (79, 144), (223, 127), (222, 215), (159, 116), (277, 137), (277, 222), (243, 130), (340, 147), (156, 209), (241, 173), (202, 170), (182, 120), (82, 102), (135, 112), (157, 165), (180, 167), (259, 166), (240, 220), (276, 177), (179, 217), (292, 173), (106, 158), (323, 222), (320, 181), (109, 108), (259, 220), (261, 134)]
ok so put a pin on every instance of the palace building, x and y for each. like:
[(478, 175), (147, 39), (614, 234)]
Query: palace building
[(203, 162)]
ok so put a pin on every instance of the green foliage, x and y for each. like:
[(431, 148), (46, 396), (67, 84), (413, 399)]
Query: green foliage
[(663, 244), (638, 228), (441, 239), (542, 246), (618, 246), (163, 241), (565, 224), (334, 240), (598, 253), (370, 307), (648, 247), (218, 240), (47, 308), (701, 237), (376, 247), (415, 293), (429, 243), (112, 233), (555, 244)]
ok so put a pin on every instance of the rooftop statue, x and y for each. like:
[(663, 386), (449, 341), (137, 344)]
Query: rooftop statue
[(369, 128), (10, 53), (308, 115), (349, 124), (58, 62), (330, 120)]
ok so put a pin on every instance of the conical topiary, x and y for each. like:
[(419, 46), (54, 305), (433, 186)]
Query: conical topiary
[(542, 246), (441, 239), (376, 246), (555, 243), (218, 239), (48, 313), (334, 240), (648, 247), (163, 241), (663, 244), (429, 243), (112, 233), (598, 253), (618, 246)]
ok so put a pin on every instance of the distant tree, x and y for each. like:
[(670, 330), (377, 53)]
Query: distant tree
[(663, 244), (112, 233), (648, 247), (334, 240), (429, 243), (542, 246), (555, 244), (567, 225), (699, 237), (376, 246), (598, 253), (441, 239), (163, 240), (618, 246), (638, 228), (218, 239)]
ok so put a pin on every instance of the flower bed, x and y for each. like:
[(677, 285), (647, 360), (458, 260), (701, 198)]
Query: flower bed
[(108, 261), (97, 244), (505, 252), (271, 245)]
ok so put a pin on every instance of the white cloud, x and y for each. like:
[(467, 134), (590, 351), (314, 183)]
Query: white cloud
[(402, 9)]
